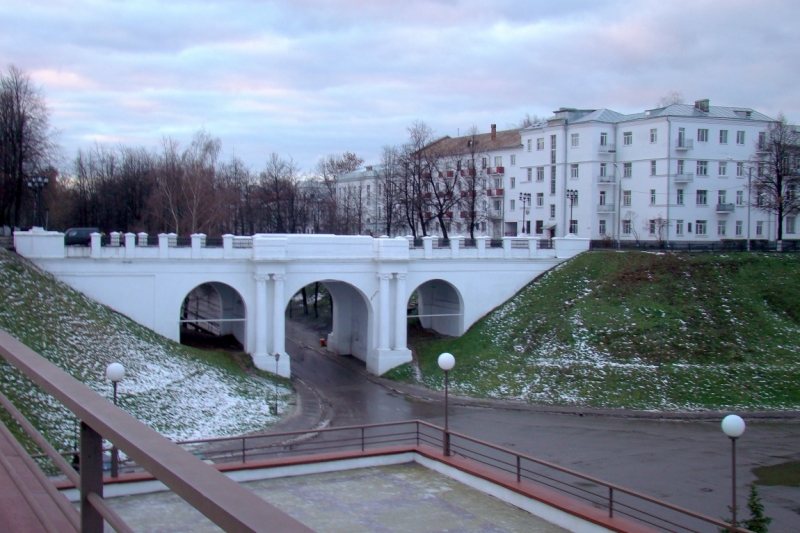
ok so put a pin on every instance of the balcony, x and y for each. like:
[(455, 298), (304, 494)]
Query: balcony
[(683, 178), (606, 148), (605, 180), (496, 213), (684, 144), (762, 148), (495, 170), (605, 208), (725, 208), (494, 192)]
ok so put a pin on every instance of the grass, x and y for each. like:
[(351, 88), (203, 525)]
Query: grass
[(638, 330), (180, 391)]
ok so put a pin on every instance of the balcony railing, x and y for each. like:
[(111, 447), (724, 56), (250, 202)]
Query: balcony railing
[(606, 148), (683, 178), (494, 192), (495, 170), (605, 180), (605, 208), (684, 144), (725, 208)]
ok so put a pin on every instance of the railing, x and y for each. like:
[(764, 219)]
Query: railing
[(213, 242), (684, 144), (510, 466), (606, 179), (242, 242), (725, 208), (468, 243), (443, 243), (496, 243), (227, 504), (683, 178), (545, 244), (739, 245), (606, 148), (605, 208)]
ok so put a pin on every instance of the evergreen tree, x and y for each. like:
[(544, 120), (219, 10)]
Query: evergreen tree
[(758, 522)]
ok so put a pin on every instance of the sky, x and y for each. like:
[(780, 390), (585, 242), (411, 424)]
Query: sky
[(308, 78)]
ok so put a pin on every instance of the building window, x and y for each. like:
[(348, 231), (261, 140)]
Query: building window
[(574, 139), (552, 210), (602, 197), (679, 197), (760, 228), (739, 197), (530, 174), (539, 199), (513, 182), (653, 135), (723, 168), (721, 228), (702, 197), (498, 160), (604, 139), (688, 227), (723, 138), (484, 162), (540, 143), (512, 205), (627, 138), (702, 135), (679, 227), (530, 143), (740, 169), (539, 173), (652, 226), (702, 168), (513, 160), (539, 227), (496, 205), (653, 167), (602, 170), (739, 228), (573, 171), (700, 227), (762, 139), (626, 198), (722, 196), (601, 227), (573, 227), (680, 166), (627, 170), (790, 225), (626, 227), (739, 137), (652, 197), (552, 180)]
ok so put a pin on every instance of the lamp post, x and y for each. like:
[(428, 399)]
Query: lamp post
[(115, 372), (36, 184), (572, 195), (277, 357), (525, 199), (446, 362), (733, 426)]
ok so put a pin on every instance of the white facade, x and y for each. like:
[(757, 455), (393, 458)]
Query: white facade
[(678, 173)]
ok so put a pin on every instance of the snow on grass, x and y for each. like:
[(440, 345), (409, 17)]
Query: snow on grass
[(181, 392)]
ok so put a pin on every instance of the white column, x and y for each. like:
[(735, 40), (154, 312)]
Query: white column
[(383, 316), (278, 315), (400, 320), (261, 315)]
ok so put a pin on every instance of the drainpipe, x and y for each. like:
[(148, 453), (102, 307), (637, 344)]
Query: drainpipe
[(565, 228), (619, 189), (669, 170)]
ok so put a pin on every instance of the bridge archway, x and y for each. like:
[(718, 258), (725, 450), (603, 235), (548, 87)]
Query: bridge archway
[(440, 307), (216, 309), (352, 319)]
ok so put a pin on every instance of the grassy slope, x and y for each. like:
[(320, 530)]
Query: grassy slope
[(639, 330), (180, 391)]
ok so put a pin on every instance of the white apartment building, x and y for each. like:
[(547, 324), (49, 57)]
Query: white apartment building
[(678, 173)]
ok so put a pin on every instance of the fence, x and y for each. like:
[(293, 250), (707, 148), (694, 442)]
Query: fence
[(787, 246)]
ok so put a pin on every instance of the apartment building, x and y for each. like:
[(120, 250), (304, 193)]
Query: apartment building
[(678, 173)]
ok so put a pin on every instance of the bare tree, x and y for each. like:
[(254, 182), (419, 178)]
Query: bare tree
[(524, 122), (327, 170), (473, 181), (27, 143), (671, 98), (776, 171), (389, 188), (419, 163), (656, 227)]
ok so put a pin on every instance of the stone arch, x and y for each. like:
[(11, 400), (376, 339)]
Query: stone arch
[(215, 300), (353, 325), (440, 307)]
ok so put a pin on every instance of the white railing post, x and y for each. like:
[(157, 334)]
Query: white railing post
[(130, 244), (142, 238), (533, 247), (114, 238), (227, 246), (480, 243), (427, 245), (197, 244), (97, 243), (163, 245), (455, 244), (506, 247)]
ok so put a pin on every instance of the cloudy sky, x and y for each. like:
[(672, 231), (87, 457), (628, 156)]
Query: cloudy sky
[(308, 78)]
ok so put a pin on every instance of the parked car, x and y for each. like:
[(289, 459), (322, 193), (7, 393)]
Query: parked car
[(79, 236)]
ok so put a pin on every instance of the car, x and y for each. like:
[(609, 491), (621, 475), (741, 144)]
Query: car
[(79, 236)]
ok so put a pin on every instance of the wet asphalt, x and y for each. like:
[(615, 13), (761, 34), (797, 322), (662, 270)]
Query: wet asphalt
[(684, 461)]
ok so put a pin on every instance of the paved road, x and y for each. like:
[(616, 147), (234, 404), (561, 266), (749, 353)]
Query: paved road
[(686, 463)]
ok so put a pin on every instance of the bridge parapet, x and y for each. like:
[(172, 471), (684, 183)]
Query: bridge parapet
[(38, 243)]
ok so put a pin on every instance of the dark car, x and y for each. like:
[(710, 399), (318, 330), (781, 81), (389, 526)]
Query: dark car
[(79, 236)]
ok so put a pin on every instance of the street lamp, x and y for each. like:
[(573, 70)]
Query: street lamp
[(36, 184), (733, 426), (572, 195), (115, 372), (277, 356), (446, 362), (525, 199)]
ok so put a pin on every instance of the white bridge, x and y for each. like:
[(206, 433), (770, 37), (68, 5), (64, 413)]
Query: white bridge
[(370, 282)]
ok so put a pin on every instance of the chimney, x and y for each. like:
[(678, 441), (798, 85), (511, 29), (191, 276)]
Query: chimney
[(702, 105), (494, 132)]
